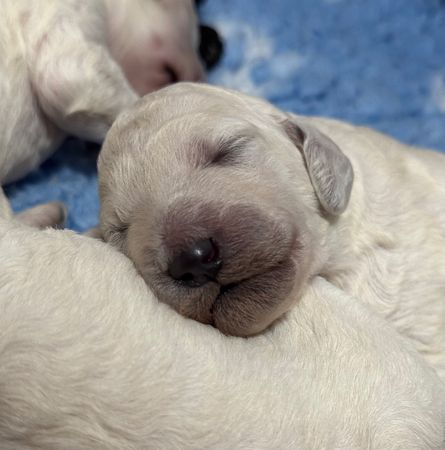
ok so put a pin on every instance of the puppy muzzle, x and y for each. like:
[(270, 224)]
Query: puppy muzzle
[(231, 266)]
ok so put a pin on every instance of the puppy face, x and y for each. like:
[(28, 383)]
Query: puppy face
[(155, 41), (212, 195)]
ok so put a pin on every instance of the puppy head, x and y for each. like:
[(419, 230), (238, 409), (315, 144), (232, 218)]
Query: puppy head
[(156, 42), (218, 199)]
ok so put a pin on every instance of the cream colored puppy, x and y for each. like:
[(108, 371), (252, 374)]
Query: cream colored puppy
[(90, 360), (71, 66), (229, 208)]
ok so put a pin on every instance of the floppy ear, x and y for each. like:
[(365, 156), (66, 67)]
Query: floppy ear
[(330, 171)]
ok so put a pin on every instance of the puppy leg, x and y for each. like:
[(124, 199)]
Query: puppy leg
[(52, 214), (5, 208), (79, 85)]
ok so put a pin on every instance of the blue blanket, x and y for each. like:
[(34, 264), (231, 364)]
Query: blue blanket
[(379, 62)]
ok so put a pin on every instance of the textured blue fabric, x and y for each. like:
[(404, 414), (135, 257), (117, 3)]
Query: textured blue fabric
[(374, 62)]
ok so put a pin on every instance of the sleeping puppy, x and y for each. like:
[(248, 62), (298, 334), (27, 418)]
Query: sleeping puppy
[(71, 66), (229, 207), (90, 360)]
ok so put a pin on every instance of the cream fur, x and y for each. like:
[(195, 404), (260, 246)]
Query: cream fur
[(386, 250), (71, 66), (89, 359)]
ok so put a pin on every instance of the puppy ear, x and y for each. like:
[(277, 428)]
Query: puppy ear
[(330, 171)]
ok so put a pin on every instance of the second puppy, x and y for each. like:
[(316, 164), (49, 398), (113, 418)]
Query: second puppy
[(71, 66)]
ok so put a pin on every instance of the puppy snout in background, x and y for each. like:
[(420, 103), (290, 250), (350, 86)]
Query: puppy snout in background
[(160, 51), (178, 47)]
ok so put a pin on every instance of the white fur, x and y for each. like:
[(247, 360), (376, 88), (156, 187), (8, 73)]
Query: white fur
[(90, 360), (388, 249), (71, 66)]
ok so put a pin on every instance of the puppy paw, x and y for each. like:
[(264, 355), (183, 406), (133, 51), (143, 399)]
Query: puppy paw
[(47, 215)]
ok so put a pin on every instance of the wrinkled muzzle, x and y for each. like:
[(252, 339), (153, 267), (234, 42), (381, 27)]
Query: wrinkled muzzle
[(234, 266)]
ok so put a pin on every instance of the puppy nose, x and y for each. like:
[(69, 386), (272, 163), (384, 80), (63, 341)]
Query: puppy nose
[(210, 47), (197, 265)]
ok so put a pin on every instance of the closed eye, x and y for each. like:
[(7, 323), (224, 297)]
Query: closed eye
[(230, 152), (224, 157)]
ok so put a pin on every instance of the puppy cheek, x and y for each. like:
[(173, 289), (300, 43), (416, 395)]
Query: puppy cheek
[(250, 307)]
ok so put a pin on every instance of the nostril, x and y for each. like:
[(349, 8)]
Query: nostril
[(171, 73), (197, 265)]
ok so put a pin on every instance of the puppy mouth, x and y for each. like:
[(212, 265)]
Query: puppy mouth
[(214, 292), (235, 305), (225, 288), (225, 291)]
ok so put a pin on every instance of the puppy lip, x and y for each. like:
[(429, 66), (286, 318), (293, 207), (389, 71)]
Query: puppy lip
[(185, 284), (181, 284), (225, 289)]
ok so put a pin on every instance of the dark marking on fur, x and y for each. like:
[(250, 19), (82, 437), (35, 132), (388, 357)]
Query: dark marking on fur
[(258, 271)]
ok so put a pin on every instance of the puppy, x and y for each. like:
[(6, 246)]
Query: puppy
[(90, 360), (229, 208), (71, 66)]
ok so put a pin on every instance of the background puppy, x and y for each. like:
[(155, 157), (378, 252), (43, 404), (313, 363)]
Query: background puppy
[(229, 207), (70, 67), (89, 359)]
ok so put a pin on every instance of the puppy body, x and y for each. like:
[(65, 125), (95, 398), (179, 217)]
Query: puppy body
[(90, 360), (388, 247), (385, 248), (70, 67)]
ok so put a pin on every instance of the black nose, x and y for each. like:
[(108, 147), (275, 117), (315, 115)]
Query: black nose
[(210, 46), (197, 265)]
